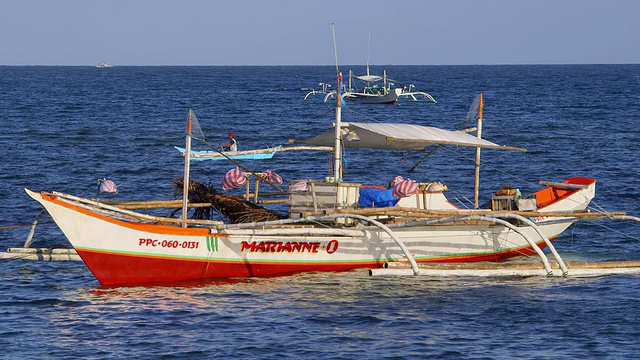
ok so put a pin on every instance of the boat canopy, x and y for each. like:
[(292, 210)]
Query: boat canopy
[(369, 78), (402, 137)]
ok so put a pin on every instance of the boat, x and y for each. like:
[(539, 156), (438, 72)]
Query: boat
[(407, 228), (325, 88), (104, 65), (260, 154), (332, 225), (257, 154), (373, 89), (409, 94)]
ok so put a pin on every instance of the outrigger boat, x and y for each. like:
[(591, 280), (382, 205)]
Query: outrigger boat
[(409, 94), (375, 90), (324, 90), (329, 227), (257, 154), (260, 154)]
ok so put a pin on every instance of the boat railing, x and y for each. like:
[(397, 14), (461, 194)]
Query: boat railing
[(118, 212)]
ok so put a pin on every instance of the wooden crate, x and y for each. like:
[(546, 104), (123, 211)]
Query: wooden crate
[(322, 196)]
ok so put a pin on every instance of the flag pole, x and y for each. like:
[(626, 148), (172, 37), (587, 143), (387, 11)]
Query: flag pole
[(187, 164)]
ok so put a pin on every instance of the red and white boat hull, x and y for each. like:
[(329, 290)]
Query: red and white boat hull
[(119, 251)]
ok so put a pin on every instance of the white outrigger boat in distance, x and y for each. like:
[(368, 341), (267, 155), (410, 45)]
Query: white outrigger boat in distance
[(375, 90), (330, 228)]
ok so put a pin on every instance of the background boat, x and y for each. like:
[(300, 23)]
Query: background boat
[(104, 65), (261, 154)]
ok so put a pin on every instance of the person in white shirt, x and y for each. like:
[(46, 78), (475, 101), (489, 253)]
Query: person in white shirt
[(232, 145)]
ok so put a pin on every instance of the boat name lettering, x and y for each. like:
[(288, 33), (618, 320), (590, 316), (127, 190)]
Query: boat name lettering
[(332, 246), (168, 243), (279, 246)]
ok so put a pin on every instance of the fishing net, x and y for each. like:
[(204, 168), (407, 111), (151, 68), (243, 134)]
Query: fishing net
[(235, 209), (196, 129), (472, 115)]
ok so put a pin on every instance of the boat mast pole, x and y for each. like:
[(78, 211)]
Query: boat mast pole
[(384, 82), (476, 185), (187, 164), (337, 165)]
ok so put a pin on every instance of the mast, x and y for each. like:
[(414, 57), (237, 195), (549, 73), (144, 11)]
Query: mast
[(384, 81), (369, 55), (337, 165), (187, 163), (477, 169)]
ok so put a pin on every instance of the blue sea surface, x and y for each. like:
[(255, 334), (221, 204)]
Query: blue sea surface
[(65, 127)]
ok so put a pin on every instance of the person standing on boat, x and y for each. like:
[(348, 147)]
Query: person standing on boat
[(232, 145)]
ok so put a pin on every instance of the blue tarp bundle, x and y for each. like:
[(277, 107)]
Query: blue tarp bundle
[(372, 197)]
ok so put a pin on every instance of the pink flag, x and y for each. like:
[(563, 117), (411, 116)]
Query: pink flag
[(107, 186), (405, 188), (300, 186), (234, 179), (272, 177), (396, 180)]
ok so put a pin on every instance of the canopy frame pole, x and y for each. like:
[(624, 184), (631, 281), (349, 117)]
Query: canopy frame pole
[(476, 181)]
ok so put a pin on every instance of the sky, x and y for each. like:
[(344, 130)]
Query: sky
[(299, 32)]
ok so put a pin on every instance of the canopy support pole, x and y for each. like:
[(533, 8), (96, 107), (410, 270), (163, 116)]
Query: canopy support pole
[(476, 185)]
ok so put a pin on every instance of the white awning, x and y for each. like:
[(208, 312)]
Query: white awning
[(369, 78), (404, 137)]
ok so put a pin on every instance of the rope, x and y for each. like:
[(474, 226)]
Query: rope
[(22, 225)]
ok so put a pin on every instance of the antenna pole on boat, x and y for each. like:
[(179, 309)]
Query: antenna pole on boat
[(384, 82), (337, 165), (187, 159), (476, 184)]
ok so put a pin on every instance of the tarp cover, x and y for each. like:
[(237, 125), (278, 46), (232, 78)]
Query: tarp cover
[(403, 137), (376, 197)]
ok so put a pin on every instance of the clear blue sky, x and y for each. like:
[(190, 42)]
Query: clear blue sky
[(298, 32)]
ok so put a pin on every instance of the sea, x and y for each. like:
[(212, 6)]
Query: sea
[(63, 128)]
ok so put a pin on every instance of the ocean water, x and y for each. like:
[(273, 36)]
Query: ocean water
[(65, 127)]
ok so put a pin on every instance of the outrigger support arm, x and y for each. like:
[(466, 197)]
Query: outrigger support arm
[(414, 265), (546, 240), (27, 243), (405, 250), (534, 246)]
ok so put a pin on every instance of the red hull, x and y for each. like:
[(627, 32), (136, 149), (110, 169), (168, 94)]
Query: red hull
[(115, 269)]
